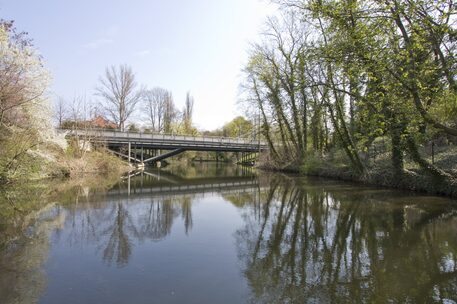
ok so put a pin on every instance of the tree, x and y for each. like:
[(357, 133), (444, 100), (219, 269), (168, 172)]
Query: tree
[(339, 75), (119, 91), (60, 111), (154, 105), (187, 113), (25, 114), (170, 114), (24, 80), (238, 127), (277, 82)]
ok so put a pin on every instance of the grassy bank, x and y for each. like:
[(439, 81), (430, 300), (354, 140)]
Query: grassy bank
[(380, 172), (98, 161), (51, 160)]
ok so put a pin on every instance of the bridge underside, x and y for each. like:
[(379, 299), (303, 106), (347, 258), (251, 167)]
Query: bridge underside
[(187, 147), (143, 147), (142, 152)]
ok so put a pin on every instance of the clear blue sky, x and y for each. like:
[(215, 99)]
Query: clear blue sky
[(181, 45)]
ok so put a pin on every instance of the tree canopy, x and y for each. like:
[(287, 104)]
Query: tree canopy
[(341, 74)]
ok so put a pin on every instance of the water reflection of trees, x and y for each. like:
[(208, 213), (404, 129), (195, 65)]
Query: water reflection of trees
[(114, 227), (117, 234), (27, 218), (331, 244), (141, 208), (158, 219), (21, 277)]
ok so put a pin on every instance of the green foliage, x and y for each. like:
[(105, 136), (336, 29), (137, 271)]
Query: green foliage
[(237, 127), (132, 128), (73, 149), (14, 159), (445, 107), (343, 74)]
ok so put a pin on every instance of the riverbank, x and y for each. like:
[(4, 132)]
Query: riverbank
[(54, 161), (380, 173), (95, 162)]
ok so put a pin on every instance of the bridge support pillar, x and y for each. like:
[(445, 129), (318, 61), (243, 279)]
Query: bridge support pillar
[(130, 150)]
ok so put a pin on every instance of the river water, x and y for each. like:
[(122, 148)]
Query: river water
[(225, 234)]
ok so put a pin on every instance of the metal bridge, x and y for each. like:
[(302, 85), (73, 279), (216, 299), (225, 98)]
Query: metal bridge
[(142, 147)]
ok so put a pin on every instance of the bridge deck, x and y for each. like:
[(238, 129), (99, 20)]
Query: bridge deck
[(169, 142)]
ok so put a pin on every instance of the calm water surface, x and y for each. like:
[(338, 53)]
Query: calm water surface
[(222, 234)]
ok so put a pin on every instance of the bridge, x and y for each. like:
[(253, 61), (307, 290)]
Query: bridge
[(142, 148)]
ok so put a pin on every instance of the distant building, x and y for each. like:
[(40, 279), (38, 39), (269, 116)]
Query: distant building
[(102, 123), (98, 122)]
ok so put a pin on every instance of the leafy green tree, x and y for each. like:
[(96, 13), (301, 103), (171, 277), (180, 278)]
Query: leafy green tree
[(334, 75), (238, 127)]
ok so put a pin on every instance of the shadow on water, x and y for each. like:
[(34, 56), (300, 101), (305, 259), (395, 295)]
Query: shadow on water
[(295, 240)]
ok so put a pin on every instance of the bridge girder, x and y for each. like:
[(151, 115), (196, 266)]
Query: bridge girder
[(114, 140)]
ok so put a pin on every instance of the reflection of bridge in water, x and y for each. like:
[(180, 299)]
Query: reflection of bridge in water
[(162, 184)]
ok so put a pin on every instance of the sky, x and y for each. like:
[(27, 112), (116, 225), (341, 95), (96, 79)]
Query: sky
[(181, 45)]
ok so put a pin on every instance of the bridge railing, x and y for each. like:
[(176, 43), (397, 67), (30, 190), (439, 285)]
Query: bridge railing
[(155, 136)]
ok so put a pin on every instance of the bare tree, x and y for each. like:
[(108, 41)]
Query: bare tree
[(81, 110), (170, 114), (119, 90), (76, 109), (155, 101), (60, 111)]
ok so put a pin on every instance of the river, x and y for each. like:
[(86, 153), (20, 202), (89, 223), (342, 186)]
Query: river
[(225, 234)]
